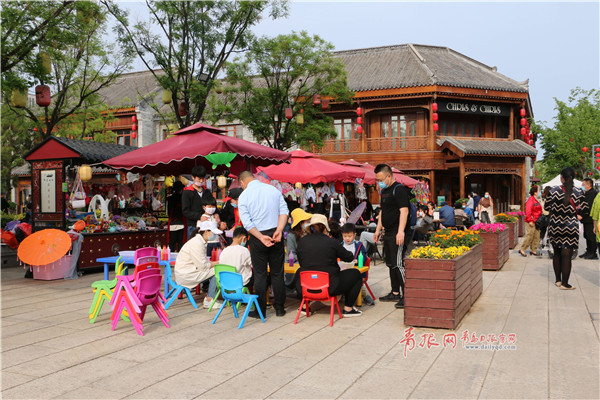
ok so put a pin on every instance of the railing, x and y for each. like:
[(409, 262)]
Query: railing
[(339, 146), (411, 143)]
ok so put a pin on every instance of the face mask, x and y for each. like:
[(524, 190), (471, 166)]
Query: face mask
[(382, 185), (306, 225), (212, 237), (234, 205), (244, 244), (583, 188), (487, 196), (464, 206), (421, 215), (210, 211)]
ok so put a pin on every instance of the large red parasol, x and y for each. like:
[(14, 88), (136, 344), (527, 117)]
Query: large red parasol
[(187, 148), (398, 176), (307, 167), (44, 247)]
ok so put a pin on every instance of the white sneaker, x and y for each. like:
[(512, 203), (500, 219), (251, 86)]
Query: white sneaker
[(216, 306)]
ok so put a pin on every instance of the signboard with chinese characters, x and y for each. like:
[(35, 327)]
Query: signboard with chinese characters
[(48, 191), (473, 107)]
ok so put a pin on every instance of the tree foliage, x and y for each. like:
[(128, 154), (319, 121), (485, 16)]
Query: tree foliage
[(16, 141), (185, 44), (577, 125), (279, 73)]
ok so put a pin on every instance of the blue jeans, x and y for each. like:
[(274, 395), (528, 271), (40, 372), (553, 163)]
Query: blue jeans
[(212, 287), (190, 229)]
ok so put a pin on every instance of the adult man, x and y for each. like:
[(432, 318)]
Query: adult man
[(394, 218), (470, 203), (264, 214), (447, 215), (193, 198), (587, 221)]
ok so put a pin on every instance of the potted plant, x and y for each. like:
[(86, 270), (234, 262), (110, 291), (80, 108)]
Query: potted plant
[(443, 280), (511, 223), (521, 216), (495, 239)]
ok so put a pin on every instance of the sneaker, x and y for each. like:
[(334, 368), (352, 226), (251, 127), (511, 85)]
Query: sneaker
[(584, 255), (368, 300), (591, 257), (390, 297), (400, 304), (353, 313), (206, 304), (566, 287), (303, 311)]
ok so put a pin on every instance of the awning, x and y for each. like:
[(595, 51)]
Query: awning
[(463, 147)]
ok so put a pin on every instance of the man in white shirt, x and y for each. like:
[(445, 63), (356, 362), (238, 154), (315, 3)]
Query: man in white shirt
[(238, 256)]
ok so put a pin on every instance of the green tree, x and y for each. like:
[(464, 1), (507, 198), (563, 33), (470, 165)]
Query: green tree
[(82, 64), (279, 73), (576, 126), (185, 44), (17, 139)]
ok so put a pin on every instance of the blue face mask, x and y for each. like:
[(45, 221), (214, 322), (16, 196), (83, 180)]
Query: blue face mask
[(583, 188), (245, 244), (212, 237), (382, 185)]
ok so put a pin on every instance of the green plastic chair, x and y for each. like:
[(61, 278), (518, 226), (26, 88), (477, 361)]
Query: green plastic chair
[(103, 290), (220, 268)]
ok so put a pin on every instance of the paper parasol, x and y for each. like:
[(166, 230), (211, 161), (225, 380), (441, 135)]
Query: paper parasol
[(44, 247)]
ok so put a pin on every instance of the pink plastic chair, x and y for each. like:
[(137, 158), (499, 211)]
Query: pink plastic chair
[(145, 254)]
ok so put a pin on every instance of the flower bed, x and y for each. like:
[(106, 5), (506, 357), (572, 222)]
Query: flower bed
[(495, 245), (511, 222), (521, 216)]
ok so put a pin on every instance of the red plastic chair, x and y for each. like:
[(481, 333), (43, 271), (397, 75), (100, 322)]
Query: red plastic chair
[(315, 285), (368, 264), (146, 254)]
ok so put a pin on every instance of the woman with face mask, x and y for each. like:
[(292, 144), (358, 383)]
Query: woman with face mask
[(193, 266), (486, 209)]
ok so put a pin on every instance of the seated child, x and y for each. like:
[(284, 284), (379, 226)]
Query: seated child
[(238, 256), (356, 248)]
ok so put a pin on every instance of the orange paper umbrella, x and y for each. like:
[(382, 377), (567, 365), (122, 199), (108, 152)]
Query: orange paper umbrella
[(44, 247)]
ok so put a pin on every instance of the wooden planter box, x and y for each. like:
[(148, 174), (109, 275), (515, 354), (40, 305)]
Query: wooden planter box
[(521, 225), (439, 293), (513, 233), (495, 249)]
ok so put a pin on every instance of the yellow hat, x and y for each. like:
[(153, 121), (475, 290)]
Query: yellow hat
[(299, 215)]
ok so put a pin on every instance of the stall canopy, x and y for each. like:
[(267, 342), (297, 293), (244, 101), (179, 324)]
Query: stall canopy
[(398, 176), (369, 178), (556, 182), (307, 167), (189, 146)]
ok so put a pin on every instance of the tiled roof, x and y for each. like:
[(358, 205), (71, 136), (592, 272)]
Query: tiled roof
[(25, 170), (409, 65), (94, 152), (129, 88), (489, 147)]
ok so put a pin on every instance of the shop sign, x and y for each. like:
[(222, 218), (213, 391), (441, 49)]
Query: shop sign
[(475, 108), (48, 191)]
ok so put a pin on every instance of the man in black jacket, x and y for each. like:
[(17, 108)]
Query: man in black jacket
[(194, 197), (588, 223)]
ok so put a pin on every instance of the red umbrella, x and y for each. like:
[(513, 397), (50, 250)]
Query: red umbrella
[(309, 168), (187, 148), (369, 174), (398, 176)]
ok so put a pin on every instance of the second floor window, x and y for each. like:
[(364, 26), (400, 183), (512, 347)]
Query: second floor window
[(393, 126), (124, 137), (345, 129), (232, 130)]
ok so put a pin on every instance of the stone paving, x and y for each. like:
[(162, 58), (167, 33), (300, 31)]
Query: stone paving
[(50, 350)]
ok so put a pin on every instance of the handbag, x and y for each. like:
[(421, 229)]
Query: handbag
[(77, 197), (542, 222)]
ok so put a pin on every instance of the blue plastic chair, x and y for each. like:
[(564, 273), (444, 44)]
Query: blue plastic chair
[(176, 289), (232, 285)]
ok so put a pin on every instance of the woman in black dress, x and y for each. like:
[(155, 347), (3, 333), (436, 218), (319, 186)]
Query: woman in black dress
[(563, 229)]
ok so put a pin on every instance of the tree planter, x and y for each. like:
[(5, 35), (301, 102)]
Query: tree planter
[(495, 249), (439, 293), (513, 233)]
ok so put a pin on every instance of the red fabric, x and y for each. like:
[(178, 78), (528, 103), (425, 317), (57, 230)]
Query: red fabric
[(398, 176), (187, 148), (306, 167), (533, 209), (9, 239), (369, 178)]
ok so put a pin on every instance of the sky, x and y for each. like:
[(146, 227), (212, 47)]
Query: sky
[(556, 45)]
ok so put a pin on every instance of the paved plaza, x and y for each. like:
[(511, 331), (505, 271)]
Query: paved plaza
[(50, 350)]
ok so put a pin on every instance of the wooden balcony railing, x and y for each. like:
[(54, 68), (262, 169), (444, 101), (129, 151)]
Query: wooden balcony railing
[(373, 145), (339, 146)]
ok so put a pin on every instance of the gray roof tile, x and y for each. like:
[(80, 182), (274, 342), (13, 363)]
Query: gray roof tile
[(490, 147)]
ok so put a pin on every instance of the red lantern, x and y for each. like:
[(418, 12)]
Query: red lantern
[(324, 104), (134, 127), (435, 127), (522, 112), (597, 149), (359, 130), (182, 110), (133, 118), (434, 107), (316, 99), (585, 149), (572, 140), (531, 142), (589, 173), (523, 131), (133, 134), (523, 121), (434, 116), (359, 120), (359, 111), (42, 95), (35, 129), (598, 160), (289, 113)]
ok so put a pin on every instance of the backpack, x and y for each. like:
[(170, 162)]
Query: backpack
[(412, 209)]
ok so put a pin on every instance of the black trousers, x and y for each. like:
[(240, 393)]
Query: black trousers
[(394, 259), (590, 238), (176, 239), (273, 256)]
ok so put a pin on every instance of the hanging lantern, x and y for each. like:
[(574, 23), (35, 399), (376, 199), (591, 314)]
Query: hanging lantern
[(182, 110), (134, 134), (35, 129), (221, 181), (572, 139), (598, 160), (523, 113), (523, 131), (289, 113), (85, 173), (316, 99), (434, 116), (523, 121), (359, 120), (18, 98), (44, 60), (134, 127), (435, 127), (324, 104), (359, 130), (298, 185), (598, 149), (434, 107), (359, 111), (133, 118), (167, 96), (585, 149), (42, 95), (219, 89), (300, 119), (531, 142)]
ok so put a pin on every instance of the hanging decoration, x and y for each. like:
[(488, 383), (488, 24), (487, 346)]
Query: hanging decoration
[(289, 113), (182, 110), (42, 95), (523, 113), (523, 121), (167, 96), (359, 111), (434, 107), (220, 159), (44, 60), (18, 98), (359, 130), (85, 172), (133, 119), (359, 120), (316, 99), (300, 117), (221, 181), (585, 149), (324, 104), (436, 127)]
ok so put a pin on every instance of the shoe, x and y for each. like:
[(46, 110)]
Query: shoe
[(390, 297), (303, 311), (206, 304), (254, 314), (280, 312), (400, 304), (558, 283), (566, 287), (368, 300), (584, 255), (591, 257), (521, 252), (353, 313)]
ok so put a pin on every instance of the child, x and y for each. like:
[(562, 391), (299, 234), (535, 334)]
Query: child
[(356, 248), (210, 214), (237, 255)]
